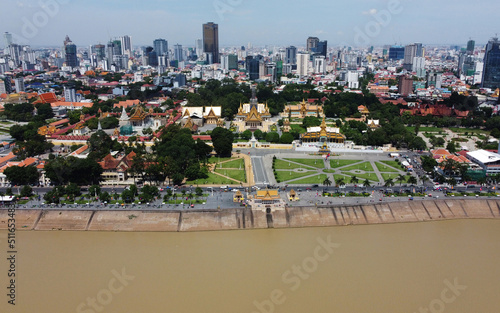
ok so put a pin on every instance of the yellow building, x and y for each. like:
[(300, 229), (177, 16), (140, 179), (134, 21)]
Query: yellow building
[(267, 201), (323, 134), (302, 110), (253, 116)]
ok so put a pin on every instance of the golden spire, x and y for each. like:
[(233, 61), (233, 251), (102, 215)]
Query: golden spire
[(323, 132)]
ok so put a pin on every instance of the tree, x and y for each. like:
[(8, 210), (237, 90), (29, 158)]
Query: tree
[(246, 135), (401, 178), (327, 182), (258, 134), (26, 191), (286, 138), (340, 181), (73, 170), (389, 182), (199, 191), (222, 140), (412, 180), (366, 183), (451, 147), (354, 180), (100, 145), (273, 137), (310, 121), (25, 175)]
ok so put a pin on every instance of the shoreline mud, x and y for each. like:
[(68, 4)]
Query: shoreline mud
[(245, 218)]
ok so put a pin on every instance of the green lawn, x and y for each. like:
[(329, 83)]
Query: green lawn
[(238, 163), (285, 165), (469, 131), (339, 163), (298, 128), (386, 168), (426, 129), (386, 176), (336, 177), (317, 163), (329, 171), (315, 179), (217, 159), (283, 176), (370, 176), (213, 179), (393, 164), (365, 166), (238, 175)]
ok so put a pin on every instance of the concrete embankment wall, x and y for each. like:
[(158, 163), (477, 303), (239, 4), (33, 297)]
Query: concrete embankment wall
[(240, 218)]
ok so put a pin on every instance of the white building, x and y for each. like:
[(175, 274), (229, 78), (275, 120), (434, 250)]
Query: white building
[(352, 79), (319, 65), (489, 161), (302, 64)]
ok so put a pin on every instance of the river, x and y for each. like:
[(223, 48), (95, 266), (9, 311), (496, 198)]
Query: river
[(447, 266)]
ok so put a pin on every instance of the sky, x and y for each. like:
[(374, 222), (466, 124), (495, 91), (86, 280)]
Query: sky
[(259, 22)]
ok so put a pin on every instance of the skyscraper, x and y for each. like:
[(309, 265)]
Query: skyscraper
[(199, 47), (470, 46), (211, 40), (252, 67), (70, 53), (321, 48), (8, 39), (126, 43), (161, 47), (312, 44), (291, 55), (302, 64), (396, 53), (410, 53), (491, 67), (178, 53)]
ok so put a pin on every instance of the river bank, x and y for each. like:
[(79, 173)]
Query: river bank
[(242, 218)]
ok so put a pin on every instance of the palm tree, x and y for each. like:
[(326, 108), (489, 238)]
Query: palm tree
[(412, 180), (340, 181), (354, 180), (389, 182), (327, 182), (401, 178), (366, 183), (424, 179)]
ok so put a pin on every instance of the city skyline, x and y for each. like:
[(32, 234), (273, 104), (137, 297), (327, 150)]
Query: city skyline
[(369, 22)]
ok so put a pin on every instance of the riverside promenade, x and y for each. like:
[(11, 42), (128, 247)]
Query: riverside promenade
[(245, 218)]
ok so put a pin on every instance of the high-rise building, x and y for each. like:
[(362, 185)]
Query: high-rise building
[(312, 44), (178, 54), (419, 49), (410, 53), (229, 62), (491, 67), (110, 52), (15, 54), (252, 67), (8, 39), (100, 52), (405, 86), (69, 94), (302, 64), (126, 44), (291, 55), (161, 47), (199, 47), (6, 85), (470, 46), (396, 53), (117, 47), (211, 40), (70, 53), (418, 66), (319, 64), (321, 48), (19, 82)]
